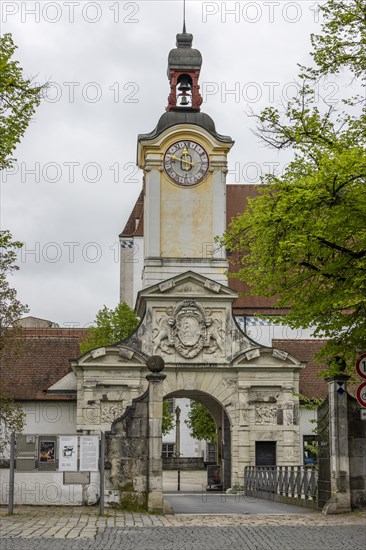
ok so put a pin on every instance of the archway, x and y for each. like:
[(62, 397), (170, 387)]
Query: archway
[(223, 427)]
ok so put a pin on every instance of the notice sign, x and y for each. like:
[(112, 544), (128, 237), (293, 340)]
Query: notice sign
[(68, 453), (89, 453)]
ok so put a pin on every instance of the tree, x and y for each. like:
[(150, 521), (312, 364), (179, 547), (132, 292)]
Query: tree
[(342, 43), (12, 419), (19, 99), (200, 422), (112, 326), (11, 309), (302, 240)]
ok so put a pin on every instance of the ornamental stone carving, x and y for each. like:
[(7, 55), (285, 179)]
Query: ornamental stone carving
[(266, 414), (188, 329), (110, 410), (288, 417)]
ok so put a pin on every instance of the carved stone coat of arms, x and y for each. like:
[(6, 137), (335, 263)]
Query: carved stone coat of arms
[(188, 329)]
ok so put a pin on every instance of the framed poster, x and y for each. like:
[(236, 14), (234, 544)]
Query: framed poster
[(68, 453), (47, 451), (89, 453)]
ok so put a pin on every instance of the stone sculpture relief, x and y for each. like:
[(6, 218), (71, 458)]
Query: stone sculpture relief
[(266, 414), (288, 417), (188, 329), (110, 410)]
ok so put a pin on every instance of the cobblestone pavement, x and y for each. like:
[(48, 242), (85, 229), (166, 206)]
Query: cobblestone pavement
[(41, 528)]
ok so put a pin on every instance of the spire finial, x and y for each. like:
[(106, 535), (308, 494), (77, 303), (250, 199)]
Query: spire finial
[(184, 17)]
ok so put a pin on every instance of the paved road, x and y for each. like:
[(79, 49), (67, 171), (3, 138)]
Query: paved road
[(208, 538), (217, 503), (68, 528)]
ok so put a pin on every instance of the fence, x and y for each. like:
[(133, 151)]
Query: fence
[(290, 484)]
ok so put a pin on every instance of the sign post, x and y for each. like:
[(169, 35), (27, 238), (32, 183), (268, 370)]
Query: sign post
[(361, 390), (361, 366), (361, 394), (11, 475), (101, 473)]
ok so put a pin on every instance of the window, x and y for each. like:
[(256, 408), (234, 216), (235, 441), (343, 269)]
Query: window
[(211, 453), (168, 450)]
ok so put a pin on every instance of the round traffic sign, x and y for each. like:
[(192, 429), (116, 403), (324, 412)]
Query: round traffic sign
[(361, 366), (361, 394)]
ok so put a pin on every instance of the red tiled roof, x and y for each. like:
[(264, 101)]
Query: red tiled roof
[(304, 350), (311, 385), (43, 358), (135, 223)]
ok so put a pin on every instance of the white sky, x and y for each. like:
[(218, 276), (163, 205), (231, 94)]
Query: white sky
[(108, 62)]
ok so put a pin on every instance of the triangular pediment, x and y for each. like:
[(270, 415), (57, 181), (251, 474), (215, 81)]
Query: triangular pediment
[(263, 357), (185, 285), (118, 355)]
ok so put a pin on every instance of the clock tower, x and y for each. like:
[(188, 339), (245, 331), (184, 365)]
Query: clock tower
[(184, 161)]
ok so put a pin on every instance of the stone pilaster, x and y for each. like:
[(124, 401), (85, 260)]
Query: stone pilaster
[(340, 500), (155, 412)]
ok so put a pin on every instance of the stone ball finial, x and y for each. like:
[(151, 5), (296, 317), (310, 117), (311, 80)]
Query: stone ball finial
[(155, 363)]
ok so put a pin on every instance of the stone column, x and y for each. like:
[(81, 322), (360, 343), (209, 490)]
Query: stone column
[(340, 500), (155, 411)]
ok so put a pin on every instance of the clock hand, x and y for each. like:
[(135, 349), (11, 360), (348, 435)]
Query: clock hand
[(184, 159), (181, 159)]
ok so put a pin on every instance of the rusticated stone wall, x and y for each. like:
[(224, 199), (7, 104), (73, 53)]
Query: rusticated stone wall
[(127, 451)]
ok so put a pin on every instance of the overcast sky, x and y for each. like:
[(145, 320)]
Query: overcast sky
[(75, 181)]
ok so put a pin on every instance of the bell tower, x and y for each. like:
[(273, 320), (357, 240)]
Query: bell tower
[(184, 67), (184, 161)]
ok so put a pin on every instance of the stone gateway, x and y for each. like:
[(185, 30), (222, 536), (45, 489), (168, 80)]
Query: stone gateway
[(248, 389)]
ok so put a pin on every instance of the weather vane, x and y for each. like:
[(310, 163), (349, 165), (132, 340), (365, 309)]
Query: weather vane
[(184, 16)]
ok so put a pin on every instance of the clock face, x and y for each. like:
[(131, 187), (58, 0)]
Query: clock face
[(186, 162)]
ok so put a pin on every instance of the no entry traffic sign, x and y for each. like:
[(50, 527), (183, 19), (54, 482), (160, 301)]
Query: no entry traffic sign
[(361, 366), (361, 394)]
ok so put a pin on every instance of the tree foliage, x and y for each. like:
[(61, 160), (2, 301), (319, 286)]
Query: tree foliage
[(12, 419), (168, 418), (11, 309), (111, 326), (200, 422), (302, 240), (342, 43), (19, 99)]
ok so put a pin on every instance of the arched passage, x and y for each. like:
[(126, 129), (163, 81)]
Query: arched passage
[(223, 427)]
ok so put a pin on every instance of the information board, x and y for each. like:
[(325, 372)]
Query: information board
[(68, 453), (89, 453)]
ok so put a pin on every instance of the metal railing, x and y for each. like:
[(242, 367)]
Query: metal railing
[(300, 482)]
